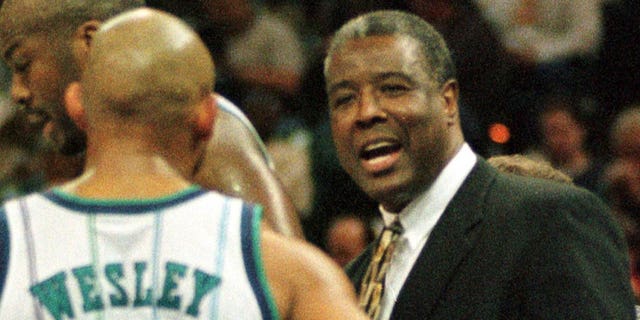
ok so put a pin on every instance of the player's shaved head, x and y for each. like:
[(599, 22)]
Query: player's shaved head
[(146, 65), (20, 17)]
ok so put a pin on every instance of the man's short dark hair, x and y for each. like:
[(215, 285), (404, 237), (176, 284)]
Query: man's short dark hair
[(436, 55)]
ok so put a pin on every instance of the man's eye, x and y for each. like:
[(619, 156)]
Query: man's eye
[(393, 88), (341, 100), (21, 66)]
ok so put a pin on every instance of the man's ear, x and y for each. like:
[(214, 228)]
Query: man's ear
[(450, 93), (73, 104), (82, 41), (205, 116)]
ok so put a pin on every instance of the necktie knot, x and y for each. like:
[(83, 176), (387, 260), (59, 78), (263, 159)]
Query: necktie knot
[(395, 227)]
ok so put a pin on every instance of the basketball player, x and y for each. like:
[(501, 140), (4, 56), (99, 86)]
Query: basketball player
[(46, 42), (131, 238)]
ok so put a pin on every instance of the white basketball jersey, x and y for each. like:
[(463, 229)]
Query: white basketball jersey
[(193, 255)]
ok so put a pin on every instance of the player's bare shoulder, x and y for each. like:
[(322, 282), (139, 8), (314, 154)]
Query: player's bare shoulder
[(236, 163), (233, 130), (305, 282)]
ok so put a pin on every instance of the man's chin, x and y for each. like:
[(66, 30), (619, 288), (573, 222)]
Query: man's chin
[(68, 140)]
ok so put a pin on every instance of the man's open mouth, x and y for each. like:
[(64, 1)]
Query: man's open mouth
[(380, 156), (379, 149)]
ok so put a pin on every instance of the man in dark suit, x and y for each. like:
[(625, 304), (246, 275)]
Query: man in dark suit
[(477, 244)]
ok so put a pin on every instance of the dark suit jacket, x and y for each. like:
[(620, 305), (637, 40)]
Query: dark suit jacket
[(509, 247)]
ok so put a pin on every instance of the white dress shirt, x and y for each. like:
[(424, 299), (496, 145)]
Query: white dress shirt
[(418, 219)]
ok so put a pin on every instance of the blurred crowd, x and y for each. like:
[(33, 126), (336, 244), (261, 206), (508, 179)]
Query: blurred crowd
[(560, 75)]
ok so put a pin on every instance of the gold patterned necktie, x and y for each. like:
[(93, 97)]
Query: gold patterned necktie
[(372, 286)]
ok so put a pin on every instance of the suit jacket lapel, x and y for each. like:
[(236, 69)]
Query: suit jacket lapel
[(450, 241)]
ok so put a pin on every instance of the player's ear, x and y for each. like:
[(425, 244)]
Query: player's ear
[(206, 112), (82, 41), (450, 92), (73, 104)]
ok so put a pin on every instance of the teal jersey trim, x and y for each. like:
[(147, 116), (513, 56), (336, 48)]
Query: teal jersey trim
[(254, 265), (124, 206), (262, 275)]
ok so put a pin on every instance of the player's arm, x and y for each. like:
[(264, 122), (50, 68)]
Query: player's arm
[(307, 284), (235, 165)]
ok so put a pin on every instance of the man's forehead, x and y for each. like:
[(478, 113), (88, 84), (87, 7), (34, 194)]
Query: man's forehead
[(386, 48), (14, 34), (17, 10), (18, 44), (376, 57), (20, 18), (397, 41)]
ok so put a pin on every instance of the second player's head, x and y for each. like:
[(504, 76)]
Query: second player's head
[(45, 43)]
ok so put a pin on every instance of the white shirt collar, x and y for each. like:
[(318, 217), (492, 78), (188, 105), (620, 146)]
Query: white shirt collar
[(420, 216), (418, 219)]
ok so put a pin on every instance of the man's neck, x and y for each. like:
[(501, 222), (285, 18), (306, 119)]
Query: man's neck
[(127, 173)]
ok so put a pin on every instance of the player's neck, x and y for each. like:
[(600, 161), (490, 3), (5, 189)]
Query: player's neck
[(127, 170)]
